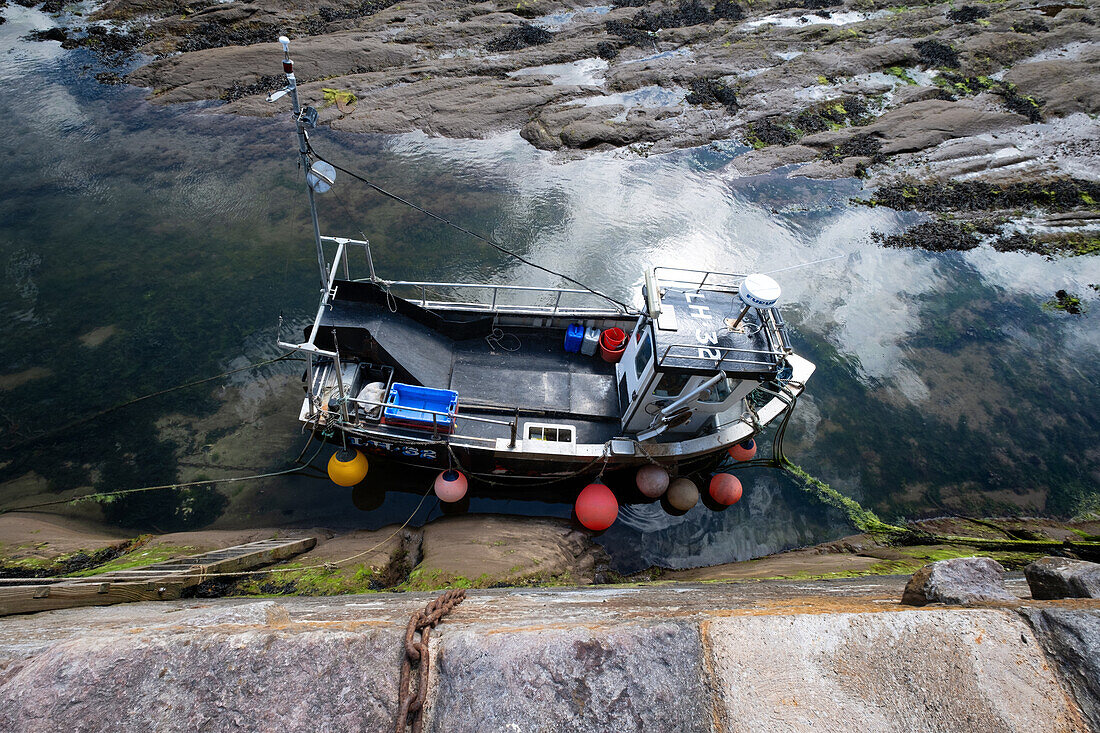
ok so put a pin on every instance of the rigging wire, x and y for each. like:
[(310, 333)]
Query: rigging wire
[(297, 468), (480, 237)]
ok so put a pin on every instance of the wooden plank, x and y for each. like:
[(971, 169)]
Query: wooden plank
[(61, 595), (159, 581)]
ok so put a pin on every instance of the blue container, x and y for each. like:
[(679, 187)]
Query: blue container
[(409, 401), (574, 335)]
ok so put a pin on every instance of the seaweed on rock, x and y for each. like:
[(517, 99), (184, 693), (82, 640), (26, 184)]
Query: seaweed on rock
[(522, 36)]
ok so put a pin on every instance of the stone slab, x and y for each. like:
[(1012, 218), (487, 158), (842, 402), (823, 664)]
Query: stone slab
[(1072, 640), (931, 670), (621, 678)]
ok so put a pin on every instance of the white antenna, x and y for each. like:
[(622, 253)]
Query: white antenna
[(320, 175)]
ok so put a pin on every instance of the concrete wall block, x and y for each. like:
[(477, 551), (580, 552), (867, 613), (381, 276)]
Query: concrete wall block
[(646, 677), (1072, 639), (972, 670), (208, 679)]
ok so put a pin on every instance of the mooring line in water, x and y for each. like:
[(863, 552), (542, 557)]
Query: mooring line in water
[(481, 237), (183, 485), (603, 456), (330, 565), (119, 406)]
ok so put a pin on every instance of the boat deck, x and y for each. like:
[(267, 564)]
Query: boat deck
[(496, 371), (490, 367), (538, 375)]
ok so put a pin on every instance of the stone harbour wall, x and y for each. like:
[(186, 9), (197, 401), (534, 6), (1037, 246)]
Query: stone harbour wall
[(842, 655)]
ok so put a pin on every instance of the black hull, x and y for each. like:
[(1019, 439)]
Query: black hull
[(488, 470)]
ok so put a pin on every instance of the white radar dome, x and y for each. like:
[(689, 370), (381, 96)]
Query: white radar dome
[(759, 291), (321, 176)]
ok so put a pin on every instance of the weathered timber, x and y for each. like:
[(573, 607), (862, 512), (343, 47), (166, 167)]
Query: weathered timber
[(156, 582), (30, 599)]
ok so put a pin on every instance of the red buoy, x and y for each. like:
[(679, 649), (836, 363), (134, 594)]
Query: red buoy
[(725, 489), (450, 485), (596, 507), (744, 450)]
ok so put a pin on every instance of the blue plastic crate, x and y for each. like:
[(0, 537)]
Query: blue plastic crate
[(574, 335), (408, 402)]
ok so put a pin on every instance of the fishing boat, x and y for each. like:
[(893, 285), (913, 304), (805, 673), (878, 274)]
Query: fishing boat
[(529, 384)]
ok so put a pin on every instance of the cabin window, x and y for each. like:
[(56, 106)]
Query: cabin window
[(645, 353), (671, 384), (551, 433), (718, 393)]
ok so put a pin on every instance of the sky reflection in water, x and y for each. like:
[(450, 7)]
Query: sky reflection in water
[(188, 231)]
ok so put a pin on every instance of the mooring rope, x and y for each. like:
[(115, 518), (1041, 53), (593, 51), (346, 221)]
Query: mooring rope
[(297, 468), (96, 415)]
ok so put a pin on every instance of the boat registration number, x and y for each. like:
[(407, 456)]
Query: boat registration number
[(398, 449)]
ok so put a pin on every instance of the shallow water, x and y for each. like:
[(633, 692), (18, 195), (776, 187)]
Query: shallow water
[(182, 234)]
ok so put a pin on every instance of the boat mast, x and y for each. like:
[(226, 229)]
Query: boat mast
[(303, 119)]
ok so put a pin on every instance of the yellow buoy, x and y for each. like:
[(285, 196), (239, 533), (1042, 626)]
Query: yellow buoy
[(347, 467)]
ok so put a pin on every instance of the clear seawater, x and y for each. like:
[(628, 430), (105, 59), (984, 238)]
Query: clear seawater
[(943, 385)]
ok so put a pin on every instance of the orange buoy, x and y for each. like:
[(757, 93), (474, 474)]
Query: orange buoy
[(683, 494), (596, 507), (347, 467), (725, 488), (744, 450), (450, 485), (652, 480)]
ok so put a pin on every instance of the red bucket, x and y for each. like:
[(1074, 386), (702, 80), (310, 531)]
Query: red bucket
[(612, 344)]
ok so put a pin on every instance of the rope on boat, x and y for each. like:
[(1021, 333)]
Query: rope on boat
[(604, 456), (480, 237), (119, 406)]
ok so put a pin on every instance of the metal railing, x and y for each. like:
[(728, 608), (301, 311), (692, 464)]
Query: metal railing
[(492, 303), (436, 431), (688, 278), (725, 355), (772, 324)]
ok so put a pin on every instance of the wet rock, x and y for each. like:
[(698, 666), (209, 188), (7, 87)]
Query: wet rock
[(1072, 640), (921, 125), (623, 678), (760, 161), (1060, 577), (488, 550), (49, 34), (957, 581), (1066, 85)]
